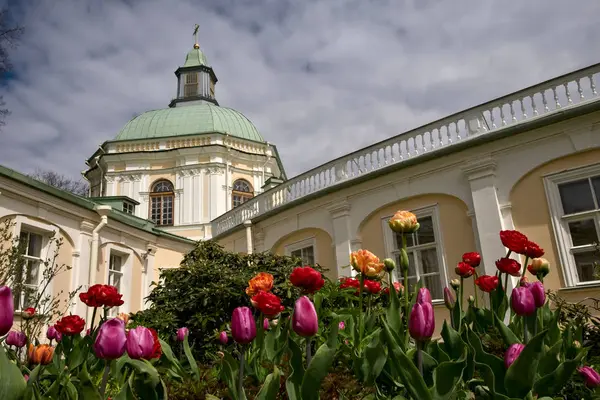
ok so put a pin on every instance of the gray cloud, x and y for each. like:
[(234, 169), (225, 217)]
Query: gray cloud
[(318, 78)]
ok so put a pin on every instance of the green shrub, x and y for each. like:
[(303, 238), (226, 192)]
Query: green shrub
[(203, 293)]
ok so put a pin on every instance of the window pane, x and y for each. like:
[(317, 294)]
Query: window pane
[(596, 185), (32, 272), (114, 279), (429, 261), (410, 242), (34, 248), (576, 196), (425, 233), (296, 253), (583, 232), (586, 265), (433, 283), (241, 186), (309, 255), (115, 262), (412, 271)]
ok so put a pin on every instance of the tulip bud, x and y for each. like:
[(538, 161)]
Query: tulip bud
[(539, 267), (243, 327), (273, 323), (449, 300), (389, 264), (590, 376), (522, 301), (342, 325), (221, 354), (524, 282), (41, 354), (455, 283), (404, 262), (223, 338), (421, 322), (304, 320), (140, 343), (471, 299), (423, 296), (539, 295), (182, 333), (577, 344), (111, 339), (17, 339), (7, 310), (404, 222), (512, 353), (266, 324)]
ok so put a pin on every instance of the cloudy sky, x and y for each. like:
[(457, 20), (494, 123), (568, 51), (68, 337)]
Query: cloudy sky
[(319, 78)]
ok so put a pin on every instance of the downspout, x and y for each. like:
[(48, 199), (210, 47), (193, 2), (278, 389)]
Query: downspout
[(103, 212), (227, 197)]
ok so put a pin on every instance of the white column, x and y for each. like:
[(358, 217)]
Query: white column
[(80, 274), (187, 197), (340, 216), (248, 225), (147, 273), (217, 202), (196, 203), (137, 182)]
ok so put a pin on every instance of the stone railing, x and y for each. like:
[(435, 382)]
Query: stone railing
[(534, 102)]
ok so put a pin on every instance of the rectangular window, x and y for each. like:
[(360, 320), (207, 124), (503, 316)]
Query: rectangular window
[(128, 208), (29, 272), (574, 200), (115, 275), (424, 254), (190, 88), (305, 250)]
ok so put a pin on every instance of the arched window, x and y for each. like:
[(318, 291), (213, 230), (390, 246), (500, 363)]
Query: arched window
[(242, 192), (161, 203)]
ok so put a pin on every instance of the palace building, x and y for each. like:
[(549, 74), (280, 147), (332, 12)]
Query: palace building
[(198, 170)]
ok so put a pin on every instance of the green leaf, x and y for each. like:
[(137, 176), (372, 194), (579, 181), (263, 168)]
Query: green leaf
[(453, 344), (551, 359), (229, 373), (393, 315), (86, 388), (270, 388), (79, 353), (403, 367), (294, 380), (552, 383), (191, 360), (125, 393), (508, 335), (12, 385), (520, 376), (374, 359), (319, 366), (447, 375), (496, 364)]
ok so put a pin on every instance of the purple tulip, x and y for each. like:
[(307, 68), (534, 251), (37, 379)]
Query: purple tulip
[(512, 353), (182, 333), (342, 325), (53, 334), (591, 377), (304, 320), (522, 301), (539, 295), (243, 327), (449, 300), (17, 339), (111, 339), (424, 296), (266, 324), (140, 343), (421, 323), (223, 338), (7, 310)]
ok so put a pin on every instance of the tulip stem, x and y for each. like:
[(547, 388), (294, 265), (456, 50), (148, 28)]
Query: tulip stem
[(525, 330), (525, 266), (506, 284), (104, 378), (308, 352), (535, 316), (240, 386), (360, 307), (462, 291), (92, 321), (420, 357), (406, 291), (475, 292)]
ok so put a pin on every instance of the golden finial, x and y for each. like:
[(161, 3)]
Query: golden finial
[(196, 45)]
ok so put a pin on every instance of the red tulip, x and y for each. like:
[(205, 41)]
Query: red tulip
[(487, 283), (102, 296), (70, 325), (532, 250), (111, 340), (346, 283), (512, 353), (522, 301), (473, 258), (307, 278), (372, 287), (304, 320), (140, 343), (464, 270), (509, 266), (268, 303), (243, 327), (156, 347), (7, 310), (28, 313), (515, 241)]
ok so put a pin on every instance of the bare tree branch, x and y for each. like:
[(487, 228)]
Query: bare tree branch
[(61, 182)]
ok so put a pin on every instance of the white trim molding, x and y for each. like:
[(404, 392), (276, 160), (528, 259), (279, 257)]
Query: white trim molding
[(560, 221)]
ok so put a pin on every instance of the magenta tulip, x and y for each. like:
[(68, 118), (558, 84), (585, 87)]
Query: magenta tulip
[(7, 310), (421, 322), (182, 333), (512, 353), (243, 327), (17, 339), (449, 300), (140, 343), (590, 376), (539, 295), (223, 338), (304, 320), (342, 325), (111, 339), (424, 296), (522, 301), (266, 324), (53, 334)]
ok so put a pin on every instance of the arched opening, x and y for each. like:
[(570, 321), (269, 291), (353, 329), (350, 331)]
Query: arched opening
[(241, 193), (161, 202)]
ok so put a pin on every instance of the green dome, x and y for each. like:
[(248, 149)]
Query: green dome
[(189, 120), (195, 58)]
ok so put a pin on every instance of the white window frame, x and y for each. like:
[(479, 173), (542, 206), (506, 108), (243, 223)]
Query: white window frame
[(303, 244), (560, 221), (127, 257), (391, 251)]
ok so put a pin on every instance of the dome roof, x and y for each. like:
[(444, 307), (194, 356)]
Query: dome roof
[(188, 120), (195, 58)]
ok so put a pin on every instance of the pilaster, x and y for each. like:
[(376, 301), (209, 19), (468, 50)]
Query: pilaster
[(340, 217), (147, 272)]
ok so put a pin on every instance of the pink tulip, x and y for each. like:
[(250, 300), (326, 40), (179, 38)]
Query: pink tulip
[(424, 296), (449, 300), (243, 327), (539, 295), (53, 334), (223, 338), (421, 322), (266, 324), (512, 353), (304, 320), (17, 339), (591, 377), (342, 325), (522, 301), (140, 343), (182, 333), (7, 310), (111, 339)]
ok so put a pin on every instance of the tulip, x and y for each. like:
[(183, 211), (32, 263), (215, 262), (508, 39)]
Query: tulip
[(473, 258), (365, 262), (591, 377), (273, 323), (449, 300), (404, 222), (512, 353), (140, 343), (424, 296), (111, 339), (182, 333), (28, 313), (389, 264), (539, 267), (421, 322), (53, 334), (7, 310), (464, 270), (266, 324), (539, 295), (243, 327), (223, 338), (342, 325), (41, 354), (522, 301), (17, 339), (455, 283), (304, 320)]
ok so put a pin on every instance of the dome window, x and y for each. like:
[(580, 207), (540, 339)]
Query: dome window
[(242, 192), (161, 203)]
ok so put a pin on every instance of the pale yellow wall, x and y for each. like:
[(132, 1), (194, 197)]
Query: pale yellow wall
[(136, 285), (62, 282), (324, 250), (531, 215), (165, 258), (190, 233), (235, 242), (162, 164)]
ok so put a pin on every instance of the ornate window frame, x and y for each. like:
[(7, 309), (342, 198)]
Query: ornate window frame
[(154, 195), (244, 195)]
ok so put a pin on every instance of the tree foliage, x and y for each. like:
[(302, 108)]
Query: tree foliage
[(61, 182)]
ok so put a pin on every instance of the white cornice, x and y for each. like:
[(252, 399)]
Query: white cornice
[(339, 209), (480, 168)]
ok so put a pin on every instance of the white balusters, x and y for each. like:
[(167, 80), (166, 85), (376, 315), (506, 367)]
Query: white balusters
[(569, 100), (579, 89), (592, 85), (523, 111), (512, 112), (556, 97), (502, 116), (546, 109)]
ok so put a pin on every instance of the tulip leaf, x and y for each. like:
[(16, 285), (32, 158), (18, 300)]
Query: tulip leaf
[(551, 359), (447, 375), (270, 388), (507, 334), (520, 376), (456, 314), (393, 314), (453, 344), (553, 382), (294, 380), (190, 359), (229, 372), (403, 367), (13, 384), (374, 359), (496, 364), (86, 388), (167, 353), (553, 329), (125, 393), (499, 301)]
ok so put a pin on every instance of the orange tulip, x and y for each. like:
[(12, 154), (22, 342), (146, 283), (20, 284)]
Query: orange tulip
[(41, 354), (262, 282), (366, 263), (404, 222)]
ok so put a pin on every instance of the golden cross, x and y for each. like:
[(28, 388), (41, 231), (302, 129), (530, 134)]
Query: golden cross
[(196, 33)]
